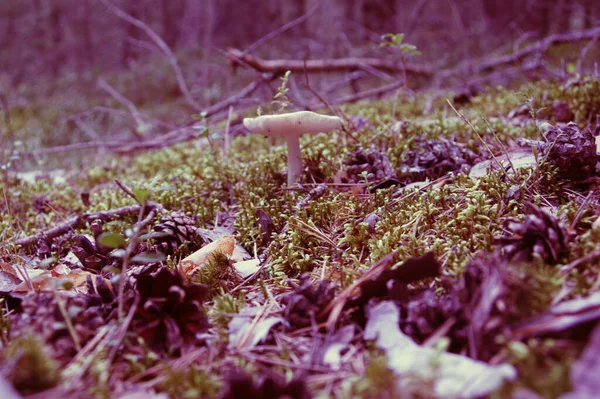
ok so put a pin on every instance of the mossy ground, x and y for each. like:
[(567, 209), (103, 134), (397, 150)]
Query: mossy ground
[(330, 237)]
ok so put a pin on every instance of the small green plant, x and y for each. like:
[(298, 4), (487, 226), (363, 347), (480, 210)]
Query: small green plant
[(395, 40), (281, 100)]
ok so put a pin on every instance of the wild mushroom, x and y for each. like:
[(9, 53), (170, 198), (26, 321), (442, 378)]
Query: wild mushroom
[(292, 126)]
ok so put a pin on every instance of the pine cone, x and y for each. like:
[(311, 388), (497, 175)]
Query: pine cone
[(306, 301), (571, 150), (434, 158), (175, 228), (539, 233), (374, 162), (169, 313), (423, 314)]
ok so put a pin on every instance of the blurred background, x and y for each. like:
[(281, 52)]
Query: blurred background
[(102, 72)]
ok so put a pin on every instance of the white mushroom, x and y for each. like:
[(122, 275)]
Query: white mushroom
[(292, 126)]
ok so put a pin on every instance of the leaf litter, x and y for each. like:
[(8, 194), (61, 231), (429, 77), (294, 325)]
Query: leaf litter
[(452, 331)]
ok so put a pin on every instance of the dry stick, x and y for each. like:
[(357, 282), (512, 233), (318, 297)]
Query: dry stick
[(135, 113), (584, 52), (581, 209), (74, 222), (68, 322), (161, 44), (464, 119), (225, 104), (137, 231), (335, 307), (537, 47), (281, 30), (326, 65)]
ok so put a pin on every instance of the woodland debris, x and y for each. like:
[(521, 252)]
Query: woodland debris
[(251, 326), (539, 234), (237, 57), (571, 150), (192, 263), (173, 229), (561, 318), (435, 158), (241, 386), (456, 376), (78, 221), (170, 315), (302, 306), (374, 163)]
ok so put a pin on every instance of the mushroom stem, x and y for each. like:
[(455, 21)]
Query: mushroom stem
[(294, 159)]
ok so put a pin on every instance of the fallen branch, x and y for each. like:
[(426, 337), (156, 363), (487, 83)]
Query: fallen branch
[(538, 47), (236, 57), (78, 221)]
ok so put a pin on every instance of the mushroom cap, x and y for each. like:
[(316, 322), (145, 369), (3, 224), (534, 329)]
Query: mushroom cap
[(292, 124)]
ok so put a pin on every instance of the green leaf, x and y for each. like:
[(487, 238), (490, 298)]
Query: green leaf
[(149, 257), (112, 240), (141, 194)]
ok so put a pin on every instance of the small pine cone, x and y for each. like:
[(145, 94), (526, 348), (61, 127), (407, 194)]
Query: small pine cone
[(571, 150), (176, 228), (539, 233), (170, 314), (434, 158), (306, 301), (425, 314)]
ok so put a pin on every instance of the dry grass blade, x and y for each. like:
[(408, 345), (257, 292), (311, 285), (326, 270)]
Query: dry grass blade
[(337, 305)]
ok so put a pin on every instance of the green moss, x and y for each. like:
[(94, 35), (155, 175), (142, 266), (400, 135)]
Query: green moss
[(28, 365)]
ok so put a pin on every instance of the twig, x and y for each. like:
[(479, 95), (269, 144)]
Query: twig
[(77, 221), (161, 44), (489, 150), (537, 47), (133, 241), (135, 113), (225, 104), (68, 322), (327, 65), (127, 191), (335, 307), (281, 29)]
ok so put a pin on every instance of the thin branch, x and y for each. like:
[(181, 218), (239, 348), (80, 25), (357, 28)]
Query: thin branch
[(161, 44), (327, 65), (135, 113), (281, 30), (77, 221)]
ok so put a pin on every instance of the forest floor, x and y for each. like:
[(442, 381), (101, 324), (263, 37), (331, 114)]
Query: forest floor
[(436, 246)]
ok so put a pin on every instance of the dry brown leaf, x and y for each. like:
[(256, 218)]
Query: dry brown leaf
[(48, 280), (198, 259)]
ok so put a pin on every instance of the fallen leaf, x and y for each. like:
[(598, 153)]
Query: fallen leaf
[(246, 268), (335, 345), (198, 259), (59, 279), (517, 159), (585, 370), (250, 327), (456, 376)]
